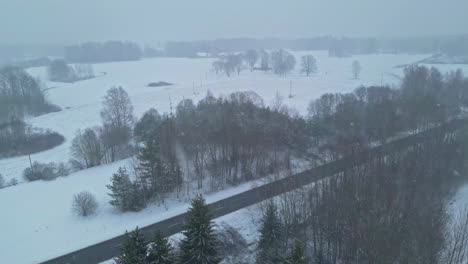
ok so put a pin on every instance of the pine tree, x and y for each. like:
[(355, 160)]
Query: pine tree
[(199, 245), (271, 236), (120, 188), (125, 194), (297, 255), (160, 252), (133, 251), (149, 164)]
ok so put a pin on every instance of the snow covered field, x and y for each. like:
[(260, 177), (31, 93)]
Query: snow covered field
[(36, 216)]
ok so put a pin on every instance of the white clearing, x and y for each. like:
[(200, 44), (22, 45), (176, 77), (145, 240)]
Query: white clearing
[(37, 223)]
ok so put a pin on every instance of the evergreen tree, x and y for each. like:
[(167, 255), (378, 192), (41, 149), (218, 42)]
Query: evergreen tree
[(271, 236), (297, 255), (150, 165), (160, 252), (125, 194), (133, 251), (199, 245)]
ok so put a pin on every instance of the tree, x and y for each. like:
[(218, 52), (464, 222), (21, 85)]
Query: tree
[(2, 182), (264, 60), (124, 194), (86, 149), (133, 251), (283, 62), (297, 255), (356, 67), (308, 64), (117, 117), (147, 127), (251, 57), (59, 71), (200, 244), (160, 251), (269, 247), (150, 166), (84, 203)]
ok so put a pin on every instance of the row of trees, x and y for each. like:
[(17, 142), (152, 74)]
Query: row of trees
[(59, 71), (280, 61), (201, 244), (20, 95), (111, 141), (220, 141), (95, 52), (377, 113), (388, 210)]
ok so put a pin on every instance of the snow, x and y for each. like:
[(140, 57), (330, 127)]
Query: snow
[(37, 217)]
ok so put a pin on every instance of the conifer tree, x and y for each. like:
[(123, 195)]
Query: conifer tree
[(150, 165), (134, 250), (120, 188), (297, 255), (160, 252), (125, 194), (271, 237), (199, 245)]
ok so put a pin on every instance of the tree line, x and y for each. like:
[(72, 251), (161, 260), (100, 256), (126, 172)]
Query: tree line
[(59, 71), (97, 52), (203, 244), (21, 95), (280, 62)]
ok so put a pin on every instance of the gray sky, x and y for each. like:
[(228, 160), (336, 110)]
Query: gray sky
[(68, 21)]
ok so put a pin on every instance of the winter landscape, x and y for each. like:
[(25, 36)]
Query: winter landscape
[(102, 139)]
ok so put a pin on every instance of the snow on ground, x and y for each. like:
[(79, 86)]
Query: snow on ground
[(38, 220), (37, 217), (81, 101)]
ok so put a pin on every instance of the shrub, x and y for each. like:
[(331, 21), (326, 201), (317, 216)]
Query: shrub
[(45, 171), (84, 204), (12, 182)]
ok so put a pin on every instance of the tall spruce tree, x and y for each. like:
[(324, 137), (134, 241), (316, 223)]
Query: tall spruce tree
[(271, 237), (200, 244), (150, 165), (134, 250), (297, 255), (120, 188), (160, 251), (124, 193)]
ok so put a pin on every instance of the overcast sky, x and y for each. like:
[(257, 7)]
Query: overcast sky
[(68, 21)]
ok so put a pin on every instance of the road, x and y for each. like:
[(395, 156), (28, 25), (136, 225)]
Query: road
[(111, 248)]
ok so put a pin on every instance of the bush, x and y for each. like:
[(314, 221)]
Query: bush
[(45, 171), (12, 182), (84, 204)]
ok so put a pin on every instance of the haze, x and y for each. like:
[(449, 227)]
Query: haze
[(58, 21)]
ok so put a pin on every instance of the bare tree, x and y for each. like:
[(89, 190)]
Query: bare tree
[(308, 64), (456, 251), (283, 62), (251, 57), (84, 204), (117, 108), (86, 149), (356, 67), (117, 117)]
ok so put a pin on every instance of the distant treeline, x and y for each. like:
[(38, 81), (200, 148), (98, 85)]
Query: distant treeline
[(95, 52), (21, 95), (451, 45)]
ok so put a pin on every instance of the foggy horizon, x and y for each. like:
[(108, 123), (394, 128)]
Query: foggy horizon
[(57, 22)]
